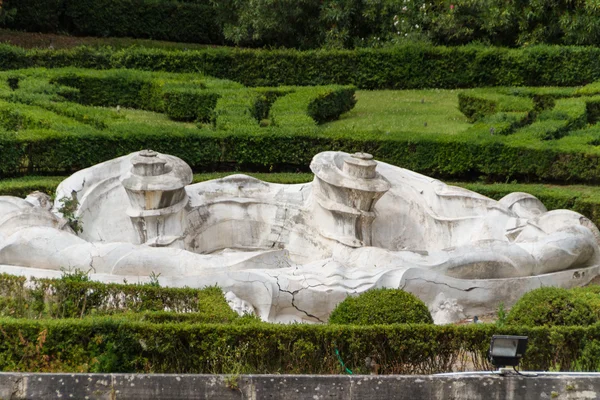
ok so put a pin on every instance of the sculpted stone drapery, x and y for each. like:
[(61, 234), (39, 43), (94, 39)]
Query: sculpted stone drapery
[(292, 252)]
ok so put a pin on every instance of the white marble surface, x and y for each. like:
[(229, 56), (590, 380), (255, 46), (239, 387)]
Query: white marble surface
[(292, 252)]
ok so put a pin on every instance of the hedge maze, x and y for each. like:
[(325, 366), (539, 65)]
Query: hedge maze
[(540, 113), (64, 119)]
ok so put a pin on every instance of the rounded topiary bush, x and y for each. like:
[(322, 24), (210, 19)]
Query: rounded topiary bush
[(381, 306), (551, 306)]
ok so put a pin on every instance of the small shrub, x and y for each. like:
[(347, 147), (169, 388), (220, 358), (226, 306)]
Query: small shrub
[(548, 306), (591, 295), (67, 209), (381, 306)]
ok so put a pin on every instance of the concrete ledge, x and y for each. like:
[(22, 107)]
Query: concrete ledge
[(297, 387)]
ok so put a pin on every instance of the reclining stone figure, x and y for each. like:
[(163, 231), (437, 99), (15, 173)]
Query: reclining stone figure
[(292, 252)]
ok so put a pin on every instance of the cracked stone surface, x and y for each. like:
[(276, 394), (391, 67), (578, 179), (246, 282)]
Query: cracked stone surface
[(293, 252)]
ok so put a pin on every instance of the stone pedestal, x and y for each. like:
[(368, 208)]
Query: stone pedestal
[(345, 190), (155, 186)]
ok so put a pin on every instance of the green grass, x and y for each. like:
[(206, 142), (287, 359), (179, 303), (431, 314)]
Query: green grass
[(21, 187), (395, 111), (384, 111), (153, 118)]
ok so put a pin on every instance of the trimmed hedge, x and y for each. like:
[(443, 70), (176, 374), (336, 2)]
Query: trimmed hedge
[(190, 105), (549, 306), (545, 114), (42, 150), (120, 345), (582, 199), (180, 96), (404, 67), (381, 306), (271, 129), (75, 296)]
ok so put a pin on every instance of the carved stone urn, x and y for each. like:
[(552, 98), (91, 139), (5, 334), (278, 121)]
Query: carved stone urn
[(155, 186), (345, 190)]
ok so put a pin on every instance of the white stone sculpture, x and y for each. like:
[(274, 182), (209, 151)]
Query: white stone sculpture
[(293, 252)]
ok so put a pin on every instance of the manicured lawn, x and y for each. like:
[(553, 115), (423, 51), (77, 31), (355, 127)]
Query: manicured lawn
[(392, 111)]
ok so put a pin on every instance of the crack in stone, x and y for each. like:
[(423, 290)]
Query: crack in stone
[(293, 294), (440, 283)]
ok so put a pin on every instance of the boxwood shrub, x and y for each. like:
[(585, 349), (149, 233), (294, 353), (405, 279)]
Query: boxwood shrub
[(549, 306), (381, 306)]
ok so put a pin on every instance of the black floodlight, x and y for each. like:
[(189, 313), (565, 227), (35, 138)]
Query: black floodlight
[(506, 350)]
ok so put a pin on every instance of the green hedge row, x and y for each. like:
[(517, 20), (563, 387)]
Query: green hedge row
[(271, 129), (75, 296), (42, 150), (406, 67), (120, 345), (582, 199), (183, 97), (543, 113)]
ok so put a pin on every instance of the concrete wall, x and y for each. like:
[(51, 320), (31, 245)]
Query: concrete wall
[(295, 387)]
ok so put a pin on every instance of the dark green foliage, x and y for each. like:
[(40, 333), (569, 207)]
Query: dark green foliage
[(474, 107), (330, 105), (190, 105), (155, 19), (288, 23), (316, 23), (381, 306), (110, 89), (13, 82), (550, 306), (593, 109), (265, 99), (35, 15)]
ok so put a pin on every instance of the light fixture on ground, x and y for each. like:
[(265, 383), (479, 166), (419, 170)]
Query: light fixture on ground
[(507, 350)]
